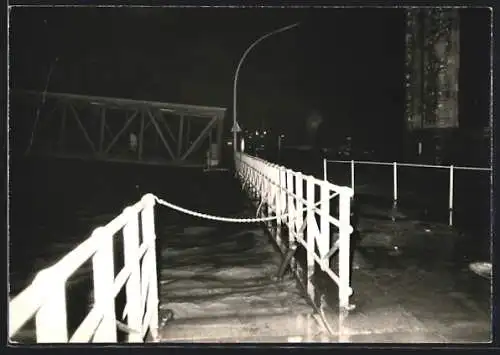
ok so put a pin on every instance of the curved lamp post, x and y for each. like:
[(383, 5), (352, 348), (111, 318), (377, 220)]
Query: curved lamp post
[(236, 128)]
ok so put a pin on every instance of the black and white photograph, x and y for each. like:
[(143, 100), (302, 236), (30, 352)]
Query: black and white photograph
[(249, 175)]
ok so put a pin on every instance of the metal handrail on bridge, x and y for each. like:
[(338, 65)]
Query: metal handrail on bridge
[(281, 192), (395, 166), (45, 297)]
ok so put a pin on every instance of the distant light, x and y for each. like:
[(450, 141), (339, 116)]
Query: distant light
[(265, 132), (242, 145), (256, 133), (229, 143), (282, 136), (166, 110)]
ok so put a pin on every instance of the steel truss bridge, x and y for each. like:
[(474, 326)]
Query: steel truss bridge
[(100, 128)]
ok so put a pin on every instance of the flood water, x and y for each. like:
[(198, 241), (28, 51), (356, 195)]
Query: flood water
[(55, 205), (423, 195)]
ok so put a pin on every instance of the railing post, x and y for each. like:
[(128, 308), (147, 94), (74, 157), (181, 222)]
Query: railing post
[(292, 213), (299, 203), (133, 286), (51, 318), (257, 181), (250, 182), (278, 204), (283, 195), (311, 236), (395, 183), (269, 193), (352, 175), (325, 172), (149, 235), (104, 277), (450, 202), (263, 177), (345, 231), (324, 235)]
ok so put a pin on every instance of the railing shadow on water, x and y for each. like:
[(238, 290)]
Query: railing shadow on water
[(121, 285)]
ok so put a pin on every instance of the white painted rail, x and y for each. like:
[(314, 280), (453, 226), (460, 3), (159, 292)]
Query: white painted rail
[(282, 197), (281, 192), (395, 166), (45, 298)]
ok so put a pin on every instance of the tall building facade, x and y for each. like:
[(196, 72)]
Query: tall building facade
[(431, 82)]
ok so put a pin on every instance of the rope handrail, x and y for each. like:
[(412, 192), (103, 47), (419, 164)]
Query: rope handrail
[(232, 219), (45, 298), (69, 263)]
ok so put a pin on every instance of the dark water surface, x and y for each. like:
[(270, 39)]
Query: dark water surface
[(423, 195), (55, 205)]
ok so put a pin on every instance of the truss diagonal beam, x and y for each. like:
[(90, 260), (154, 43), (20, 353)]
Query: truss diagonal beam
[(188, 132), (82, 128), (219, 138), (104, 136), (129, 121), (165, 143), (179, 140), (199, 138), (147, 126), (108, 130), (163, 120), (141, 135)]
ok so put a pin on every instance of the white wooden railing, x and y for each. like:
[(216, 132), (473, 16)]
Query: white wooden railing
[(395, 165), (45, 297), (281, 193)]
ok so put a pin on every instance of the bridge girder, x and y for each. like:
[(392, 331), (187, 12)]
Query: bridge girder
[(93, 127)]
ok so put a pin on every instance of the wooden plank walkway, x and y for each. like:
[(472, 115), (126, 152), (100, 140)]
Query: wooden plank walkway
[(219, 282)]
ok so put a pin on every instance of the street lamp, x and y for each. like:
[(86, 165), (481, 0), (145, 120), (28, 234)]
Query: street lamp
[(236, 127)]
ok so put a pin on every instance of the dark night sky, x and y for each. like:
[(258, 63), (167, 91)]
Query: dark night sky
[(346, 63)]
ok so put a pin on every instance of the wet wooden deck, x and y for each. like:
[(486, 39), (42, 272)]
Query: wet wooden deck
[(219, 281)]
